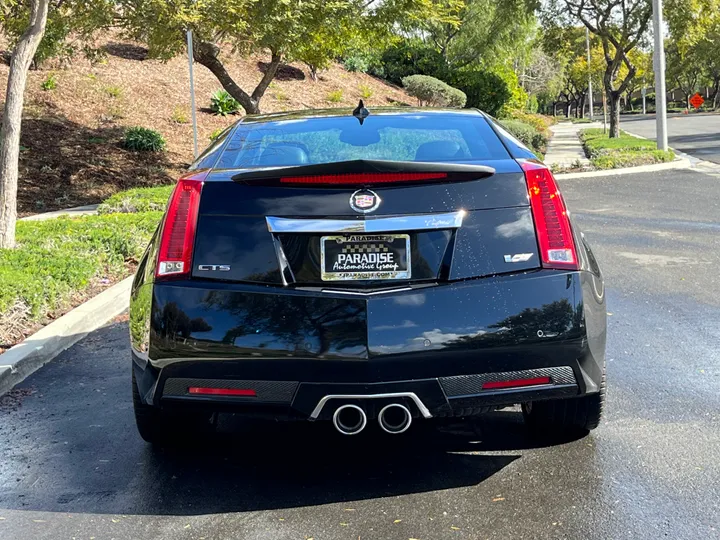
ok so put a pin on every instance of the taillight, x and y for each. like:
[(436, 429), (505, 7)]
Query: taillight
[(363, 178), (552, 225), (178, 232)]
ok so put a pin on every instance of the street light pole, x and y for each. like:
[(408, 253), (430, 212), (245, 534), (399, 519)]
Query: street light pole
[(192, 91), (590, 93), (659, 61)]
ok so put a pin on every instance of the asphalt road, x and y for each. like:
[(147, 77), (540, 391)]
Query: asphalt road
[(694, 134), (72, 465)]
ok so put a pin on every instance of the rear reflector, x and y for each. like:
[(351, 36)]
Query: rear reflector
[(178, 232), (199, 390), (363, 178), (495, 385), (557, 247)]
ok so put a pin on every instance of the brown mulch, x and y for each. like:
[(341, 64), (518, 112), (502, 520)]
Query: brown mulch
[(71, 153)]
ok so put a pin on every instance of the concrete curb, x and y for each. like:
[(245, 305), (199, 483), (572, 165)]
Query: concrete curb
[(682, 163), (27, 357), (88, 210)]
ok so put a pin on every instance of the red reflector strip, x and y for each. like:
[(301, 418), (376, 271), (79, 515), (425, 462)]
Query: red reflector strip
[(494, 385), (247, 392), (363, 178)]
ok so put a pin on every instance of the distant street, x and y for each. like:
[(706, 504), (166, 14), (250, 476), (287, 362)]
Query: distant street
[(694, 134)]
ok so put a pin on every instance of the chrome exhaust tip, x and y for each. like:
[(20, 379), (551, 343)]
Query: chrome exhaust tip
[(349, 419), (395, 418)]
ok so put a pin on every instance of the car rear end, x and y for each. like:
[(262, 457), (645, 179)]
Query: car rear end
[(414, 265)]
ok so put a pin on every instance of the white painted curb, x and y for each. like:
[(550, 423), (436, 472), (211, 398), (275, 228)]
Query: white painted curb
[(27, 357)]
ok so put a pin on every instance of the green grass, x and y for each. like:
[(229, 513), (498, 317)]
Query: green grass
[(623, 151), (137, 200), (580, 120), (57, 258)]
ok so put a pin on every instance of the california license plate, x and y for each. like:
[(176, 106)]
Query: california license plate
[(365, 257)]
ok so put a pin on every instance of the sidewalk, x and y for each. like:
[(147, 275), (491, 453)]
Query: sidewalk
[(564, 148)]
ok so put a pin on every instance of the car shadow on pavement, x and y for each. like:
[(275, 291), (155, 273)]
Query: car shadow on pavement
[(70, 451)]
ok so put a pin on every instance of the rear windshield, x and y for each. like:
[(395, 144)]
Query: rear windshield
[(396, 137)]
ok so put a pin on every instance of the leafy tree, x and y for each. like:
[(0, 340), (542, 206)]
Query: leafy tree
[(484, 90), (431, 91), (25, 24), (620, 26), (310, 31)]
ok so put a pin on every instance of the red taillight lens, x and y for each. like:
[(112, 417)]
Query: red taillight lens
[(178, 232), (497, 385), (363, 178), (557, 247), (203, 391)]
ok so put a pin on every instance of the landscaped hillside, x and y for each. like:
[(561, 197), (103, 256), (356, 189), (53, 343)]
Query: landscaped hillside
[(71, 153)]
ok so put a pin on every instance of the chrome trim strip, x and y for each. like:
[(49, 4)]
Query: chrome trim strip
[(360, 293), (451, 220), (412, 395)]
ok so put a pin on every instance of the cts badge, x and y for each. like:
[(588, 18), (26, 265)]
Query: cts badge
[(364, 201), (214, 267), (518, 257)]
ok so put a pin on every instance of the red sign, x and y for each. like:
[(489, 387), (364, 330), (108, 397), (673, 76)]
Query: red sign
[(697, 101)]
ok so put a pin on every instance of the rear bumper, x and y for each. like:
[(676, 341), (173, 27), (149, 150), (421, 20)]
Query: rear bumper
[(439, 342)]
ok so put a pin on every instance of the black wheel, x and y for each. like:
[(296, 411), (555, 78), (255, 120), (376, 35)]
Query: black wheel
[(571, 416), (162, 427)]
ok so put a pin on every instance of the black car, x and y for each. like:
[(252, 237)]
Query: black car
[(390, 265)]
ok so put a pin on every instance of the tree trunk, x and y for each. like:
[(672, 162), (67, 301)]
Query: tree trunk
[(206, 53), (20, 61), (614, 98)]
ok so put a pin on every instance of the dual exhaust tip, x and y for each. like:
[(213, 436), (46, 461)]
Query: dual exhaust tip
[(351, 419)]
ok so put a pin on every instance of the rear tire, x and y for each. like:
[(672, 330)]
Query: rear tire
[(565, 416), (162, 427)]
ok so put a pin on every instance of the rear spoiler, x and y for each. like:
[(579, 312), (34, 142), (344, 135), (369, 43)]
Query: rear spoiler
[(367, 171)]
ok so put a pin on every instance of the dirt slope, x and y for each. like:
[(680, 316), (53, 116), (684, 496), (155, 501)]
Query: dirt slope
[(71, 135)]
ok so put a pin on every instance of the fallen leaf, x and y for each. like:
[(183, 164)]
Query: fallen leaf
[(453, 528), (349, 509), (397, 521), (186, 526), (39, 520), (496, 499), (282, 519), (114, 520), (343, 524)]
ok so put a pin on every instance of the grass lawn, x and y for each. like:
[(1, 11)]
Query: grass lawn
[(137, 200), (59, 262), (623, 151)]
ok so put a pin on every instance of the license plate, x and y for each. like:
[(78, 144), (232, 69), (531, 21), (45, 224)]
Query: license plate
[(365, 257)]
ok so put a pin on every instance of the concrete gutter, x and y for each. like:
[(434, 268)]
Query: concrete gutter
[(681, 163), (27, 357)]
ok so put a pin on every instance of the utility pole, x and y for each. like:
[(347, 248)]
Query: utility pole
[(192, 91), (587, 45), (659, 61), (644, 93)]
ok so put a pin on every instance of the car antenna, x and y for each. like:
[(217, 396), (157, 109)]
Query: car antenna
[(360, 112)]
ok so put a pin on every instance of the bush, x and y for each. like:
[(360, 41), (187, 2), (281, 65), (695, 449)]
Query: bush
[(623, 151), (357, 63), (539, 121), (215, 134), (143, 139), (335, 96), (113, 90), (484, 90), (179, 116), (222, 103), (365, 91), (431, 91), (413, 57), (525, 133), (50, 83)]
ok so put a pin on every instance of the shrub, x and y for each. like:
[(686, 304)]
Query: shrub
[(143, 139), (539, 121), (215, 134), (335, 96), (484, 90), (113, 90), (222, 103), (365, 91), (413, 57), (50, 83), (357, 63), (179, 116), (431, 91)]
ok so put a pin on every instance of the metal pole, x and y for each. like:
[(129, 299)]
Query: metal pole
[(644, 93), (192, 91), (659, 60), (587, 45)]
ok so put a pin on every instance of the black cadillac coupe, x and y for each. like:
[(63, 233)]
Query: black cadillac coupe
[(389, 266)]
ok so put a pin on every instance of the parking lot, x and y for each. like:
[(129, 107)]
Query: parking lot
[(73, 465)]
